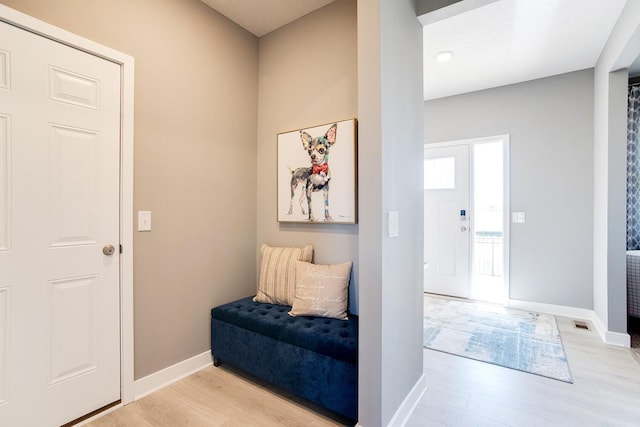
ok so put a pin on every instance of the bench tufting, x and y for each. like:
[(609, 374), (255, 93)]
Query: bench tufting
[(331, 337), (314, 357)]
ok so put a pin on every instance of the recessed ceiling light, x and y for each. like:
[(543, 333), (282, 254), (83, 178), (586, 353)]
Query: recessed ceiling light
[(444, 56)]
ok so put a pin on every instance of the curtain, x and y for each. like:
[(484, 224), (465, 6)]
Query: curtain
[(633, 168)]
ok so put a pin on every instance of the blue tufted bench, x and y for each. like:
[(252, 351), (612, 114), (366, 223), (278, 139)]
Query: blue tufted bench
[(313, 357)]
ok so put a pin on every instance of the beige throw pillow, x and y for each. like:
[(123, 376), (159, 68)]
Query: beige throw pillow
[(321, 290), (278, 273)]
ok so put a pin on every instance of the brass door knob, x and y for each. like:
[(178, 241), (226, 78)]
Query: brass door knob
[(108, 250)]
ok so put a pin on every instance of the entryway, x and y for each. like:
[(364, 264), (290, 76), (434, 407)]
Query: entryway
[(62, 128), (466, 218)]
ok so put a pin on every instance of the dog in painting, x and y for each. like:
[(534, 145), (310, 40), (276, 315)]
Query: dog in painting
[(317, 176)]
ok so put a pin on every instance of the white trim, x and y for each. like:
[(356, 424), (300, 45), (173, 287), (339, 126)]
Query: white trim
[(409, 403), (126, 232), (36, 26), (608, 337), (157, 380), (613, 338), (601, 329), (467, 141), (126, 63), (506, 232), (556, 310), (618, 339)]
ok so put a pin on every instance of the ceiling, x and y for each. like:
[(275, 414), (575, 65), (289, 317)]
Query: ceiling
[(510, 41), (494, 42), (263, 16)]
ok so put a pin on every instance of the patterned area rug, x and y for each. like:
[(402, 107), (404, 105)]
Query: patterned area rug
[(515, 339)]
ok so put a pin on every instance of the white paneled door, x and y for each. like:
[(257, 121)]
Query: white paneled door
[(447, 228), (59, 231)]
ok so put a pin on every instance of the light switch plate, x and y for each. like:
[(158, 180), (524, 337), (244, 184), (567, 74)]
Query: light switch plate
[(517, 217), (144, 220), (394, 223)]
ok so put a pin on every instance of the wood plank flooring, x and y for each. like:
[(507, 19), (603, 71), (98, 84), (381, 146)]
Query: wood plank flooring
[(218, 397), (461, 392), (464, 392)]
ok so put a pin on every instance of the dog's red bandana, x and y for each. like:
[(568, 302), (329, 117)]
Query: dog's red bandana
[(320, 168)]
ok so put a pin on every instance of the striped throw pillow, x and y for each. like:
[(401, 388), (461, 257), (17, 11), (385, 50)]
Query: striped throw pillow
[(277, 282)]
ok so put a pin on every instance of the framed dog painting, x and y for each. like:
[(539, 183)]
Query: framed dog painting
[(317, 174)]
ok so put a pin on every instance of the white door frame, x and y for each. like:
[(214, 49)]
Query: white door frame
[(126, 63), (506, 196)]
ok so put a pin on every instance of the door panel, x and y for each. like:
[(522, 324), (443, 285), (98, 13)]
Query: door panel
[(73, 308), (74, 159), (59, 205), (74, 89), (446, 195), (4, 70)]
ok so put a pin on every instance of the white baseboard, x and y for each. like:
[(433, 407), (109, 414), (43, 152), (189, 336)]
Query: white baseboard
[(619, 339), (613, 338), (600, 328), (166, 376), (556, 310), (409, 403), (608, 337)]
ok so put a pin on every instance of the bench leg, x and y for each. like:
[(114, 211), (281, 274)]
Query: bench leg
[(217, 361)]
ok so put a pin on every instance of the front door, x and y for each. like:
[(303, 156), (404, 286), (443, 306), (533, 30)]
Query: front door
[(446, 208), (59, 231)]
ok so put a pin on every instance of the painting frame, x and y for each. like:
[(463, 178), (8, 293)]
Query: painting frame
[(317, 174)]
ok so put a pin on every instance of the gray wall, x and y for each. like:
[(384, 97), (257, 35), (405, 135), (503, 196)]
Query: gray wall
[(611, 76), (196, 76), (390, 168), (307, 77), (198, 114), (550, 123)]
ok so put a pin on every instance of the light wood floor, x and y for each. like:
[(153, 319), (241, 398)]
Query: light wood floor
[(464, 392), (217, 397), (461, 392)]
